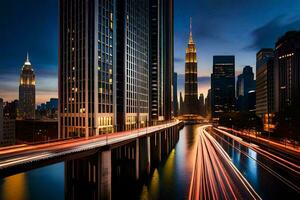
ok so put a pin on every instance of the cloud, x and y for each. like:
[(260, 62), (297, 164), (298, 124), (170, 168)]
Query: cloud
[(178, 60), (266, 35)]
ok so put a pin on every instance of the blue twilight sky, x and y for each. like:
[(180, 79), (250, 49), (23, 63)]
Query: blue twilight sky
[(238, 27)]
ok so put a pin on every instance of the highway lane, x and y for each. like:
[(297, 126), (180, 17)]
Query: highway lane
[(287, 151), (214, 175), (277, 168), (28, 153)]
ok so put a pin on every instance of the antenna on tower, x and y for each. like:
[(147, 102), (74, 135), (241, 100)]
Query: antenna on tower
[(27, 57), (191, 25), (191, 29)]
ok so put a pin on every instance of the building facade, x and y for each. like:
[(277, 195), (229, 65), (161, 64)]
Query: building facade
[(161, 59), (132, 64), (223, 85), (191, 78), (287, 71), (87, 68), (265, 87), (27, 91)]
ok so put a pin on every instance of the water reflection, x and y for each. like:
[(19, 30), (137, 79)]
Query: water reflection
[(252, 166), (14, 187)]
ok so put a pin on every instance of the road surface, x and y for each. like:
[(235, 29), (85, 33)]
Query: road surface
[(214, 175)]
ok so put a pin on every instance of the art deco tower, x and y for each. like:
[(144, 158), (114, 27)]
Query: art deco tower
[(191, 84), (27, 91)]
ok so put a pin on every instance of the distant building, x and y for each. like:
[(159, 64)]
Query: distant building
[(48, 110), (223, 85), (191, 78), (11, 109), (32, 131), (27, 91), (175, 96), (208, 104), (201, 104), (161, 59), (265, 87), (7, 128), (287, 71), (245, 85)]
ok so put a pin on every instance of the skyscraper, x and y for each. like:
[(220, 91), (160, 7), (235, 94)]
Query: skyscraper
[(175, 96), (161, 59), (287, 71), (265, 86), (27, 91), (191, 82), (245, 84), (87, 67), (132, 64), (223, 85)]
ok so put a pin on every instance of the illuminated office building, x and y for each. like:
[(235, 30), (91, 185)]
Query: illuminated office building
[(27, 91), (287, 72), (87, 68), (132, 64), (223, 85)]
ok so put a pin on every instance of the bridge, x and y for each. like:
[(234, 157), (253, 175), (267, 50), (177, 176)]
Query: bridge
[(129, 153), (191, 118)]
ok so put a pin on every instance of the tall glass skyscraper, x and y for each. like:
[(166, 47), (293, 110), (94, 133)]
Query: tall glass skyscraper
[(132, 64), (87, 67), (161, 59), (223, 85), (27, 91), (105, 65)]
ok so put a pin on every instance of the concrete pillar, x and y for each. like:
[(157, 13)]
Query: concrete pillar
[(159, 146), (137, 159), (148, 154), (105, 175)]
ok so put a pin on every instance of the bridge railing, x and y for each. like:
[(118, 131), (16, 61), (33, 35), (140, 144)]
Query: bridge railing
[(107, 136)]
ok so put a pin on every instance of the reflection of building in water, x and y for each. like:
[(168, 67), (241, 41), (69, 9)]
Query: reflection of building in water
[(14, 187)]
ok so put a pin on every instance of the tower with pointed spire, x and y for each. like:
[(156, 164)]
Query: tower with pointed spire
[(191, 82), (27, 91)]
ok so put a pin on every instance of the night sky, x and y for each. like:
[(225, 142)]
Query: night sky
[(238, 27)]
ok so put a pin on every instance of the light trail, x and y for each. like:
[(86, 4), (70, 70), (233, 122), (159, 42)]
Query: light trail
[(214, 176), (279, 160), (289, 183)]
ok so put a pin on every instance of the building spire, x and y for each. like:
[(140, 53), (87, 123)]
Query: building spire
[(27, 62), (191, 31)]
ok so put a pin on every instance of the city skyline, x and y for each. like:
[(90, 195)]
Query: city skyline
[(253, 30)]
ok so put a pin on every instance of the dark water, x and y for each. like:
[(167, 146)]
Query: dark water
[(169, 180)]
